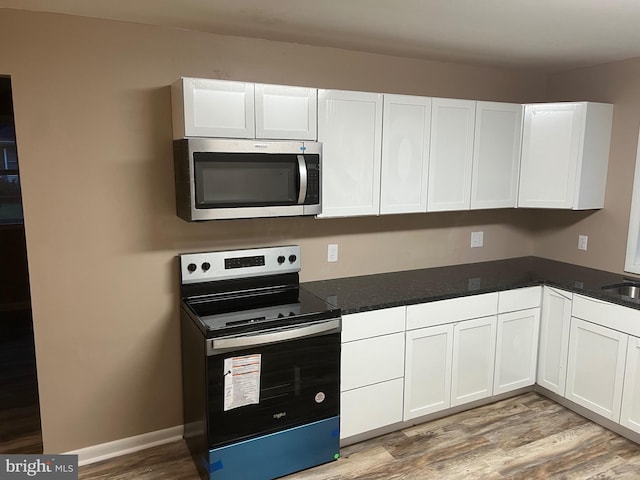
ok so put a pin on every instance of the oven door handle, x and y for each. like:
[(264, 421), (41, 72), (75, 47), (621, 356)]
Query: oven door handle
[(218, 344)]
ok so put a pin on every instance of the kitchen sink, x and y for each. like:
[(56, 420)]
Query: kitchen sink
[(626, 289)]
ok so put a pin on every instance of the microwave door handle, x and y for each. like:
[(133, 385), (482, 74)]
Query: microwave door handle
[(302, 171)]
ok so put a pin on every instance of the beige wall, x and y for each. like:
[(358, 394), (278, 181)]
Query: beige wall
[(557, 237), (93, 126)]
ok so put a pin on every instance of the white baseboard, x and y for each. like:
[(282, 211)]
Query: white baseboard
[(104, 451)]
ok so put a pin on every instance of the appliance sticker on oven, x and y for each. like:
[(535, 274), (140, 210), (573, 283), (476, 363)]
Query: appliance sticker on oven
[(242, 381)]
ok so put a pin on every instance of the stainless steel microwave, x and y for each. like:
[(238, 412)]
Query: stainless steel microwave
[(225, 178)]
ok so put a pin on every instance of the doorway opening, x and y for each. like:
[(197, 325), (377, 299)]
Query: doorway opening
[(19, 405)]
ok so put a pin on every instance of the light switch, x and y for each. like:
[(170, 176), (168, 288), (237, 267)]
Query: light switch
[(332, 252), (477, 239)]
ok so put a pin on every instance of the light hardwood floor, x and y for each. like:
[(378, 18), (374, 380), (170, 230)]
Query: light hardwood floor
[(525, 437)]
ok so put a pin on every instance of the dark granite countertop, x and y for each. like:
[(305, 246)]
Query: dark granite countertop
[(372, 292)]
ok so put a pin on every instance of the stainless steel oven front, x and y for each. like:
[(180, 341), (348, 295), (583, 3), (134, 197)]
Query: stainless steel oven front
[(261, 365)]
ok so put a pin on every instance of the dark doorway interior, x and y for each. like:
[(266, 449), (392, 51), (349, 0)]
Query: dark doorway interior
[(19, 407)]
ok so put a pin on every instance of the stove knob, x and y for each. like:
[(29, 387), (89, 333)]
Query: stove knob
[(281, 259), (292, 258), (280, 315), (206, 266), (192, 267)]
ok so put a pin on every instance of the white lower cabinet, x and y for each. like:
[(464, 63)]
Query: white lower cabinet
[(553, 345), (448, 365), (367, 408), (372, 370), (516, 350), (630, 414), (474, 347), (449, 353), (403, 363), (372, 360), (596, 365), (427, 385)]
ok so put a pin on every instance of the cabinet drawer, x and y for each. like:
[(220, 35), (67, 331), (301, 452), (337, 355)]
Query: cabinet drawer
[(370, 324), (617, 317), (368, 408), (451, 310), (372, 360), (519, 299)]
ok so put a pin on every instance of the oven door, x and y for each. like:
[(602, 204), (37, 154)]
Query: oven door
[(274, 384)]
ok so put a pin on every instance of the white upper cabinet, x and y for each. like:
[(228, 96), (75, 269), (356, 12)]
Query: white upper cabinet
[(350, 129), (565, 154), (496, 155), (406, 127), (452, 129), (228, 109), (284, 112), (212, 108)]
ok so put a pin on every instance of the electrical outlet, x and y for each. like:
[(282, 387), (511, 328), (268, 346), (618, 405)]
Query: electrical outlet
[(582, 242), (332, 252), (477, 239)]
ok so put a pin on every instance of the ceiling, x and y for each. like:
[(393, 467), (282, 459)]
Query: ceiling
[(556, 34)]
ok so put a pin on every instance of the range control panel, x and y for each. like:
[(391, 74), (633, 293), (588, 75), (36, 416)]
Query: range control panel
[(221, 265)]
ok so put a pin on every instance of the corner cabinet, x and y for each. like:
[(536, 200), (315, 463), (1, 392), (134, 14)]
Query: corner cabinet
[(350, 129), (221, 108), (554, 339), (600, 332), (565, 154)]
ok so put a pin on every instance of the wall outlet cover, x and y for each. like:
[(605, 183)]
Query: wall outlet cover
[(582, 242)]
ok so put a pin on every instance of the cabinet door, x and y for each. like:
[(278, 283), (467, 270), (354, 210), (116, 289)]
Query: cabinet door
[(554, 339), (218, 108), (496, 155), (474, 347), (350, 129), (630, 416), (516, 350), (451, 154), (550, 148), (595, 368), (284, 112), (427, 386), (375, 406), (406, 123)]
